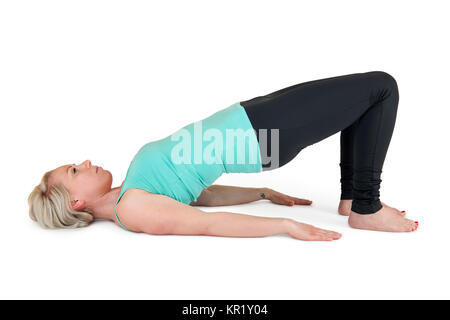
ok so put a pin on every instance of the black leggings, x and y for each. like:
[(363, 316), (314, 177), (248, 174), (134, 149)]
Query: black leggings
[(363, 106)]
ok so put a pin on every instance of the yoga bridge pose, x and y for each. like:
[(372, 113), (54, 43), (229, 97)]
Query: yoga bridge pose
[(169, 177)]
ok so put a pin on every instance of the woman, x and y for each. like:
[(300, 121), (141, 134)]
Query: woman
[(165, 181)]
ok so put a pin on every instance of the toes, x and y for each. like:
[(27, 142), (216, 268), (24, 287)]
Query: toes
[(410, 225)]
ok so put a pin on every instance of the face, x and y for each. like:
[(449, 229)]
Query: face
[(85, 182)]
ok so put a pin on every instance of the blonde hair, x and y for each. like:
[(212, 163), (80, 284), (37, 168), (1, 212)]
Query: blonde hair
[(51, 208)]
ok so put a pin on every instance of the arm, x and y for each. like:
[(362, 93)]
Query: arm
[(141, 211), (159, 214), (220, 195)]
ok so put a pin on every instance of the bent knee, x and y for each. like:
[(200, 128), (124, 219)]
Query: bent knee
[(384, 79)]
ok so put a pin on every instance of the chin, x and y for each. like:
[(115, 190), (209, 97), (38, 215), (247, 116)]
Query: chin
[(108, 178)]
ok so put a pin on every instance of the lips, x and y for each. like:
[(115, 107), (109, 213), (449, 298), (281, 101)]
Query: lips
[(96, 170)]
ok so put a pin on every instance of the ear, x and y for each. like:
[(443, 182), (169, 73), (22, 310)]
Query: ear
[(78, 205)]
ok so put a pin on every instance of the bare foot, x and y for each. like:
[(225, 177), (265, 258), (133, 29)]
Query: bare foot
[(345, 207), (385, 219), (303, 231)]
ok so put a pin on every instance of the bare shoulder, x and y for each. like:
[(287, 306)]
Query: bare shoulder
[(138, 200), (132, 203), (133, 196), (137, 207)]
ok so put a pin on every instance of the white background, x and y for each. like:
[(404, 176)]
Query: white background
[(98, 79)]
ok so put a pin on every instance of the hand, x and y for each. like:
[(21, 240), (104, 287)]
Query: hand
[(302, 231), (283, 199)]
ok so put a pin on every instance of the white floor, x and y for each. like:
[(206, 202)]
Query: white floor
[(99, 79)]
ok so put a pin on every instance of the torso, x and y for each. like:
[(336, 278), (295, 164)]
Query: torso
[(156, 168), (153, 171)]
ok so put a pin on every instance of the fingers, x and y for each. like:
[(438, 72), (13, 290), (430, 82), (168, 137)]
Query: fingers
[(298, 201), (284, 199), (317, 234), (329, 234), (304, 202), (290, 201), (324, 236), (307, 232)]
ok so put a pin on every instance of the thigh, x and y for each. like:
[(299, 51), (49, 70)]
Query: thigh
[(278, 149), (312, 111), (321, 107)]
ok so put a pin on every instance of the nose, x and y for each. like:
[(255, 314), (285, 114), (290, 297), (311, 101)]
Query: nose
[(87, 163)]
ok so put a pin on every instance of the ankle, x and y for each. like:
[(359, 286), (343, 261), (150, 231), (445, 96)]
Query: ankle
[(366, 206)]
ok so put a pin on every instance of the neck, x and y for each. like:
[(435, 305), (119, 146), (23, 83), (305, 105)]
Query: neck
[(103, 208)]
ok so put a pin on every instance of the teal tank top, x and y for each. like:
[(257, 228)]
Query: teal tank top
[(183, 164)]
